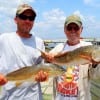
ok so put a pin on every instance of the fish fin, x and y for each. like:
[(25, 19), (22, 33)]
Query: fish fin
[(43, 54), (18, 83), (46, 56)]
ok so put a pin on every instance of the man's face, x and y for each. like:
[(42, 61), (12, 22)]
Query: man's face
[(25, 21), (73, 31)]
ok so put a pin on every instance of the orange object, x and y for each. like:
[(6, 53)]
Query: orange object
[(3, 80), (41, 76)]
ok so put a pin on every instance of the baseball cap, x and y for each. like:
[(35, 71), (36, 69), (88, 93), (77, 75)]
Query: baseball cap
[(24, 7), (73, 19)]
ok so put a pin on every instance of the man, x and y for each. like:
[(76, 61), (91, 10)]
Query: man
[(75, 83), (17, 50)]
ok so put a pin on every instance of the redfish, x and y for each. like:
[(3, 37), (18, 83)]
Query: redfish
[(81, 55), (28, 73)]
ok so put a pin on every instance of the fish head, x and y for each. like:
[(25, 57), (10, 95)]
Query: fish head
[(96, 54)]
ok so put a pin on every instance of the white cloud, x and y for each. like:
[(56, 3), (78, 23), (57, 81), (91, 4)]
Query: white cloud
[(9, 7), (55, 17), (52, 24), (93, 3), (77, 12), (90, 25)]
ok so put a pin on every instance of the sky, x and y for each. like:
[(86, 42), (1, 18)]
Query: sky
[(51, 15)]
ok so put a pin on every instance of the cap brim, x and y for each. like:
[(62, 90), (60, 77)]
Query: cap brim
[(77, 23)]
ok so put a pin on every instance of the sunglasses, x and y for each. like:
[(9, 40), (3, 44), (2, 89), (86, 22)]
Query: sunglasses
[(24, 17), (70, 28)]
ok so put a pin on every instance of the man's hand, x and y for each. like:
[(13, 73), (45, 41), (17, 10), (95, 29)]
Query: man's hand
[(3, 80), (49, 57), (41, 76)]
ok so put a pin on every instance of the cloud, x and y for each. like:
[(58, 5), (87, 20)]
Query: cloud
[(77, 12), (90, 25), (93, 3), (52, 24), (51, 27), (9, 7)]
